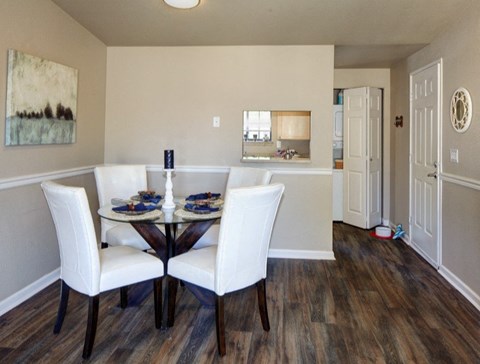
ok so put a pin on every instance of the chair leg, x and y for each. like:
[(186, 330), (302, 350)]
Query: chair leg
[(157, 301), (123, 297), (220, 323), (172, 295), (91, 325), (62, 307), (262, 303)]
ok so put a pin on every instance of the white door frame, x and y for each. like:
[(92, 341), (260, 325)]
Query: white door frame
[(439, 64)]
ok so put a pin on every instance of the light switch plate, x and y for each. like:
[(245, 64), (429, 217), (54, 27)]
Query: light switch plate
[(216, 121), (453, 155)]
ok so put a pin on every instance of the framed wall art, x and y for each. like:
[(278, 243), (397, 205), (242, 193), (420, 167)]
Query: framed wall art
[(41, 101)]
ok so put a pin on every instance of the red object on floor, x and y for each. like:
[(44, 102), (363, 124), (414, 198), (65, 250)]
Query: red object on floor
[(372, 233)]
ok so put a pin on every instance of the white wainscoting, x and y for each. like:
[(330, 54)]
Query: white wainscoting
[(24, 294), (301, 254), (35, 287), (460, 286), (455, 281)]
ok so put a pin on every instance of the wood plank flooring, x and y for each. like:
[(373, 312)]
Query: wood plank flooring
[(378, 302)]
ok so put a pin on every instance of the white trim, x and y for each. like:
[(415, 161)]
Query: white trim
[(460, 286), (462, 181), (301, 254), (6, 183), (424, 255), (190, 169), (451, 278), (226, 169), (25, 293)]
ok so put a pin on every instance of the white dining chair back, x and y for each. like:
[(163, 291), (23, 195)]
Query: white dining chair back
[(247, 177), (245, 232), (238, 177), (120, 181), (240, 258), (79, 259), (86, 269)]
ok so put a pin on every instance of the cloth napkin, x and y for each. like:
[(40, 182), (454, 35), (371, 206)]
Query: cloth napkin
[(138, 207), (193, 207), (203, 196), (152, 199)]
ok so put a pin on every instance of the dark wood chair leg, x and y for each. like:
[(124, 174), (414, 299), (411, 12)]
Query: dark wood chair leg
[(157, 301), (220, 323), (62, 307), (91, 325), (172, 295), (103, 245), (123, 297), (262, 303)]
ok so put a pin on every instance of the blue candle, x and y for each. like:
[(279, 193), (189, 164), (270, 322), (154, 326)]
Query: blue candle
[(168, 159)]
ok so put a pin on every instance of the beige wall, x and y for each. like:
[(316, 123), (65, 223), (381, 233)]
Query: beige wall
[(27, 239), (460, 213), (379, 78), (166, 97)]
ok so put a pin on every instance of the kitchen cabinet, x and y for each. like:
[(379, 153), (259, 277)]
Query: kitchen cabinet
[(293, 125)]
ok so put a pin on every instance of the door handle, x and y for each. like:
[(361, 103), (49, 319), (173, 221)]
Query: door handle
[(433, 174)]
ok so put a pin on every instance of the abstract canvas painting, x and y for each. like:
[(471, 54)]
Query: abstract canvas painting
[(41, 101)]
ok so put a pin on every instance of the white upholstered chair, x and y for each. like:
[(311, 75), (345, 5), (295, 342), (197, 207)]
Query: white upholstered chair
[(120, 181), (238, 177), (88, 270), (240, 258)]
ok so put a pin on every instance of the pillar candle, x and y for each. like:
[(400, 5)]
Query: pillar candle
[(168, 159)]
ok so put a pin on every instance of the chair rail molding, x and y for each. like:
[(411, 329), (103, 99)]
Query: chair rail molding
[(226, 169), (19, 181), (460, 180), (14, 182)]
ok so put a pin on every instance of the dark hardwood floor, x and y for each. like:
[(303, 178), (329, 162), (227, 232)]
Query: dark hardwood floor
[(378, 302)]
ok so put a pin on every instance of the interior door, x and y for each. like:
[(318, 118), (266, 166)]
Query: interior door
[(362, 157), (354, 157), (424, 154), (374, 161)]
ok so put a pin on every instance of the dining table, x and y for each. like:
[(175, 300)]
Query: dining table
[(182, 229)]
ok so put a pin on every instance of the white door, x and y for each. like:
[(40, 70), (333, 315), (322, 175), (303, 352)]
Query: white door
[(362, 157), (424, 157), (374, 162)]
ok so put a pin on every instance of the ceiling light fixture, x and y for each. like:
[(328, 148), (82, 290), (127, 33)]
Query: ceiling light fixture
[(182, 4)]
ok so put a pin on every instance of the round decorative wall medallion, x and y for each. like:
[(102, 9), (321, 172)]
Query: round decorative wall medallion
[(461, 110)]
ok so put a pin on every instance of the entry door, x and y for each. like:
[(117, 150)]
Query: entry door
[(424, 157), (362, 157)]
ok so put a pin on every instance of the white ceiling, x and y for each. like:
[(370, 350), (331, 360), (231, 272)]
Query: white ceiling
[(367, 33)]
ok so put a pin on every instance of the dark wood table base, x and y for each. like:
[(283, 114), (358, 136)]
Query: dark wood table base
[(167, 245)]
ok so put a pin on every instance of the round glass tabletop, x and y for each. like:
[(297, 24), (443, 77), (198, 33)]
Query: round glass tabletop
[(157, 216)]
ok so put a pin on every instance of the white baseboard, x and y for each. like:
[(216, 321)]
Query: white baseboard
[(301, 254), (27, 292), (460, 286)]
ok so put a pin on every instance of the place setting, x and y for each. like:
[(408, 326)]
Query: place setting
[(207, 204), (144, 206)]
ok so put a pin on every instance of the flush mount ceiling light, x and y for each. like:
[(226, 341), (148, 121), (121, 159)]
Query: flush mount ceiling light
[(182, 4)]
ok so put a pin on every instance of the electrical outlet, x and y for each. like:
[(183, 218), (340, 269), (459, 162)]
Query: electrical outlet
[(453, 155), (216, 121)]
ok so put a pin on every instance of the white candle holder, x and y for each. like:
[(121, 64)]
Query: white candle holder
[(168, 204)]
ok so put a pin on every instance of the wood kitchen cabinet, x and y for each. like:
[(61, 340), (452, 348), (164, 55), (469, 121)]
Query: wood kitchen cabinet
[(293, 125)]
